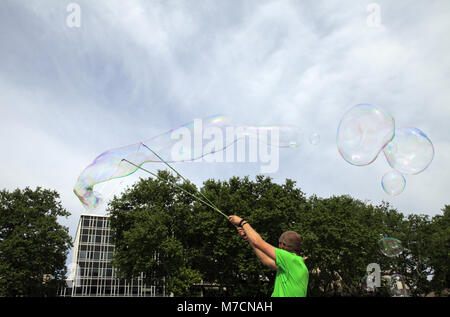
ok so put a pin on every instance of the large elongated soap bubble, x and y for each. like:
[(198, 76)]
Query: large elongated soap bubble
[(363, 132), (201, 138), (410, 152)]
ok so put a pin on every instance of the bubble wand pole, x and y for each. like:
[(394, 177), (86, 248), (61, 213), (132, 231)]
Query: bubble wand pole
[(173, 169), (182, 189)]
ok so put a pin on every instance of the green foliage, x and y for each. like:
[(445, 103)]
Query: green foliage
[(165, 233), (438, 251), (33, 246)]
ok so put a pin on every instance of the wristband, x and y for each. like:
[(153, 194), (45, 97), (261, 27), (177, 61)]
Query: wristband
[(240, 223), (244, 224)]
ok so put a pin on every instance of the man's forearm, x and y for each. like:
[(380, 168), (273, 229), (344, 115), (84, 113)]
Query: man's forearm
[(253, 237), (262, 256), (256, 242)]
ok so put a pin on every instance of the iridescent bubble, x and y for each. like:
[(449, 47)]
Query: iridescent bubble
[(288, 136), (363, 132), (200, 140), (410, 152), (390, 247), (393, 183)]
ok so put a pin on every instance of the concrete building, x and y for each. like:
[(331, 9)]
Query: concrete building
[(91, 271)]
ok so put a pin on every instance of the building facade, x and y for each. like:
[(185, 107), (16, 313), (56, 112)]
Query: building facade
[(91, 271)]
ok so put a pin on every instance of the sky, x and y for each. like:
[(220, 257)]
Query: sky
[(78, 78)]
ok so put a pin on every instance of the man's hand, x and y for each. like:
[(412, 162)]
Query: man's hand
[(242, 233), (235, 220)]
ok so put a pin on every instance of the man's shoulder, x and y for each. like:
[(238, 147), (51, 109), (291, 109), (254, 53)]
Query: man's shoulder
[(280, 253)]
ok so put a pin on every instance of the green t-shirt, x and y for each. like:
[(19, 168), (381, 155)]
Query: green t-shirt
[(292, 275)]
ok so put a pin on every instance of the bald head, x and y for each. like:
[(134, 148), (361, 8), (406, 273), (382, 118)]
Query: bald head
[(291, 241)]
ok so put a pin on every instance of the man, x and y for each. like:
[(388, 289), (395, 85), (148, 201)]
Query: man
[(292, 274)]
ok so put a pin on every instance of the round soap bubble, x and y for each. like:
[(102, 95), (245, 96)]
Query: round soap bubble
[(410, 152), (393, 183), (390, 247), (363, 132)]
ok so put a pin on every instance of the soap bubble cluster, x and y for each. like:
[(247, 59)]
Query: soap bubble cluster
[(367, 130)]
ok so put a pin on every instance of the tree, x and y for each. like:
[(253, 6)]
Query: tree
[(159, 230), (340, 239), (162, 231), (414, 262), (33, 246), (225, 258), (438, 251), (150, 229)]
